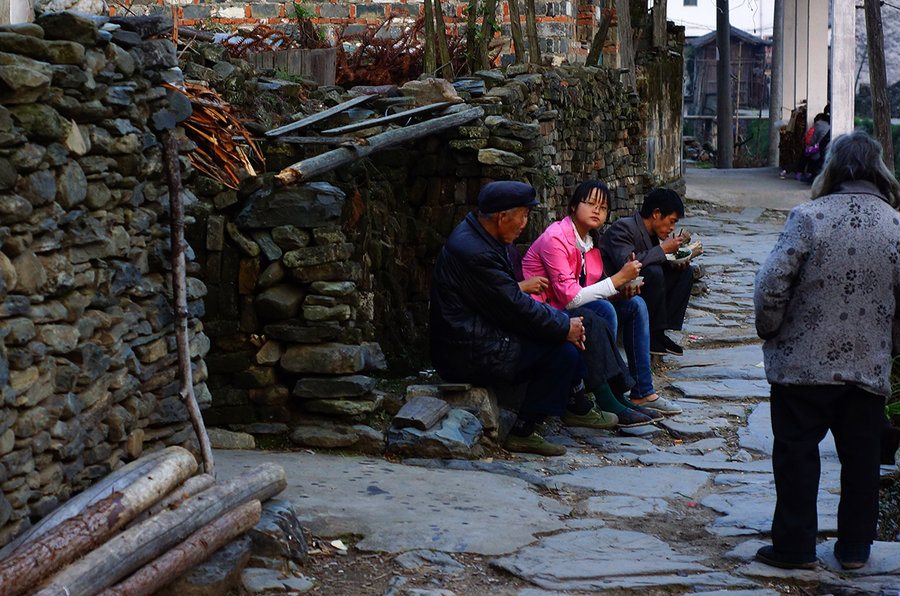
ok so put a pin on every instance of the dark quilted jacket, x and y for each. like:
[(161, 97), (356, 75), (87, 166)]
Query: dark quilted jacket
[(479, 317)]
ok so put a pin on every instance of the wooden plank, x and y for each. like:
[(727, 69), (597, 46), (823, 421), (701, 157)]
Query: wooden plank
[(318, 140), (421, 412), (308, 168), (281, 60), (318, 117), (386, 119), (294, 63)]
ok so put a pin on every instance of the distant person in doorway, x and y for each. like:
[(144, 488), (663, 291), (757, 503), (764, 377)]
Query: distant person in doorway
[(826, 304)]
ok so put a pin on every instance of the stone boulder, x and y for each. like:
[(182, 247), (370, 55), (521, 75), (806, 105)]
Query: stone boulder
[(456, 437)]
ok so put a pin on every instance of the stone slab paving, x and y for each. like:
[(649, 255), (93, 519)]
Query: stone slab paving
[(637, 482)]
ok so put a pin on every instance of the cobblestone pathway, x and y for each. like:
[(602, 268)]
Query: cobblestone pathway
[(675, 508)]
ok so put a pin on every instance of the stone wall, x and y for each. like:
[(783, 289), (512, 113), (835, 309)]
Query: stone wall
[(317, 274), (87, 357)]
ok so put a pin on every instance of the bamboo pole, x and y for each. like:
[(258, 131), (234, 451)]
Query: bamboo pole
[(446, 67), (193, 551), (430, 59), (179, 292), (306, 169), (137, 546), (36, 560)]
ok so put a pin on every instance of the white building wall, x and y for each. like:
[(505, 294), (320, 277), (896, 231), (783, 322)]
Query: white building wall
[(752, 16)]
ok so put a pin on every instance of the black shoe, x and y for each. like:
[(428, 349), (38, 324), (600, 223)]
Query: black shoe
[(658, 347), (672, 347), (631, 417), (651, 414), (852, 555), (770, 556)]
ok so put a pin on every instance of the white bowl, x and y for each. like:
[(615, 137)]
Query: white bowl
[(634, 283)]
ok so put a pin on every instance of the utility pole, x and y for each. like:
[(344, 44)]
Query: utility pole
[(776, 91), (725, 142), (881, 107)]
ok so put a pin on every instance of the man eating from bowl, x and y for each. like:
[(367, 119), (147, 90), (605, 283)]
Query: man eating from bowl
[(667, 282)]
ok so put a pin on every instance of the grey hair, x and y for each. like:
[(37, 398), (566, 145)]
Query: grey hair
[(856, 156)]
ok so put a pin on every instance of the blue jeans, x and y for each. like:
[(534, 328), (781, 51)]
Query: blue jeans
[(635, 336)]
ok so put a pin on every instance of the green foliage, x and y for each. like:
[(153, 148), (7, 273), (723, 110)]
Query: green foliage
[(867, 125), (302, 13)]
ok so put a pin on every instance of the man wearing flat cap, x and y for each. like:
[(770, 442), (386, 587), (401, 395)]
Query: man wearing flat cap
[(485, 330)]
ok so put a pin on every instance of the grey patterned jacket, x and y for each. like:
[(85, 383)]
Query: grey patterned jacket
[(827, 297)]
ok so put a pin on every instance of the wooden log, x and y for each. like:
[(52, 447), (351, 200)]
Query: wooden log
[(515, 26), (319, 116), (193, 551), (596, 51), (303, 170), (488, 22), (471, 35), (363, 124), (137, 546), (446, 67), (179, 289), (534, 48), (113, 482), (421, 412), (207, 36), (190, 487), (36, 560)]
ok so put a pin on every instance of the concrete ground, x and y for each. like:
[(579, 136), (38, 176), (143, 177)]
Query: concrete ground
[(745, 187), (678, 507)]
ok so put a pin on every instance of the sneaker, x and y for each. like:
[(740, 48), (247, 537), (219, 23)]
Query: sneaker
[(672, 347), (593, 419), (852, 555), (770, 556), (663, 406), (631, 417), (533, 443)]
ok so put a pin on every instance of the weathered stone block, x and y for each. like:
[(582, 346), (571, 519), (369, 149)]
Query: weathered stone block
[(325, 359), (290, 237), (305, 206), (317, 255), (59, 339), (312, 312), (341, 407), (337, 289), (279, 302), (298, 332), (334, 387)]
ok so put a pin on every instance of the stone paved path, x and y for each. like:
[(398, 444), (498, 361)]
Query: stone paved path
[(675, 508)]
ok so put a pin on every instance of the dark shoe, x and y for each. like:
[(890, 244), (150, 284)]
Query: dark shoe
[(852, 555), (657, 347), (652, 415), (533, 443), (672, 347), (631, 417), (593, 419), (770, 556)]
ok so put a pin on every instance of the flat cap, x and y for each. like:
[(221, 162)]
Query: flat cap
[(506, 194)]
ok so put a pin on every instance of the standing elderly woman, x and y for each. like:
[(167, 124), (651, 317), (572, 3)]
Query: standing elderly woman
[(827, 307)]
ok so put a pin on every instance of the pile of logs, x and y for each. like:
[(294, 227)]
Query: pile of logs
[(137, 530)]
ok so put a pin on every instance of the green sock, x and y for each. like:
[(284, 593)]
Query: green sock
[(625, 401), (606, 401)]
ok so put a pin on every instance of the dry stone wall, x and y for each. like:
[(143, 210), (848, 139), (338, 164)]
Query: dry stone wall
[(87, 357), (309, 284)]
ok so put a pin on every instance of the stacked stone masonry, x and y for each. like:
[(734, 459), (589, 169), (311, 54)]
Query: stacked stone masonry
[(87, 355)]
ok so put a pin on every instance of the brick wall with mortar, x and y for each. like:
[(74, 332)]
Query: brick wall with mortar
[(87, 356)]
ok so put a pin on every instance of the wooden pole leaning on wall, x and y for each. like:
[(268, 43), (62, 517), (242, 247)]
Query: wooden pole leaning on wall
[(440, 27), (596, 51), (487, 33), (179, 293), (534, 48), (430, 59), (303, 170), (515, 27)]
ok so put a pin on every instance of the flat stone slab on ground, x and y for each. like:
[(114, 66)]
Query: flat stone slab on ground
[(884, 560), (686, 430), (723, 388), (755, 569), (637, 482), (735, 356), (622, 506), (620, 444), (398, 508), (605, 559), (749, 371)]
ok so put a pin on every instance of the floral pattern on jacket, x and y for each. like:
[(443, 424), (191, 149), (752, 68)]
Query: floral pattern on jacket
[(826, 298)]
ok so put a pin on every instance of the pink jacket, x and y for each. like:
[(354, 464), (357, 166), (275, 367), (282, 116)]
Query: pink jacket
[(555, 256)]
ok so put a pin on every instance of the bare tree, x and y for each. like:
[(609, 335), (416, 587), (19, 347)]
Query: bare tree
[(881, 107)]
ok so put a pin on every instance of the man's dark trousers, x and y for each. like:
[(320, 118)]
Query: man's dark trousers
[(550, 370), (666, 291), (801, 416)]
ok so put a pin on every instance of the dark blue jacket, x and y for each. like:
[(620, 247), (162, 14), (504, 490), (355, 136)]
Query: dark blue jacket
[(479, 316)]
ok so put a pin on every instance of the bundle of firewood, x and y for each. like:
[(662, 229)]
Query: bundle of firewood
[(137, 530)]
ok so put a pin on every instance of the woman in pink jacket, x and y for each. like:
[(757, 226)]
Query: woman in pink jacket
[(567, 255)]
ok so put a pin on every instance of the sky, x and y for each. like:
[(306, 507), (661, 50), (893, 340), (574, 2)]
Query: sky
[(753, 16)]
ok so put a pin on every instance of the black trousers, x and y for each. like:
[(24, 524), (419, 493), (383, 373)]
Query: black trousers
[(666, 291), (801, 415)]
